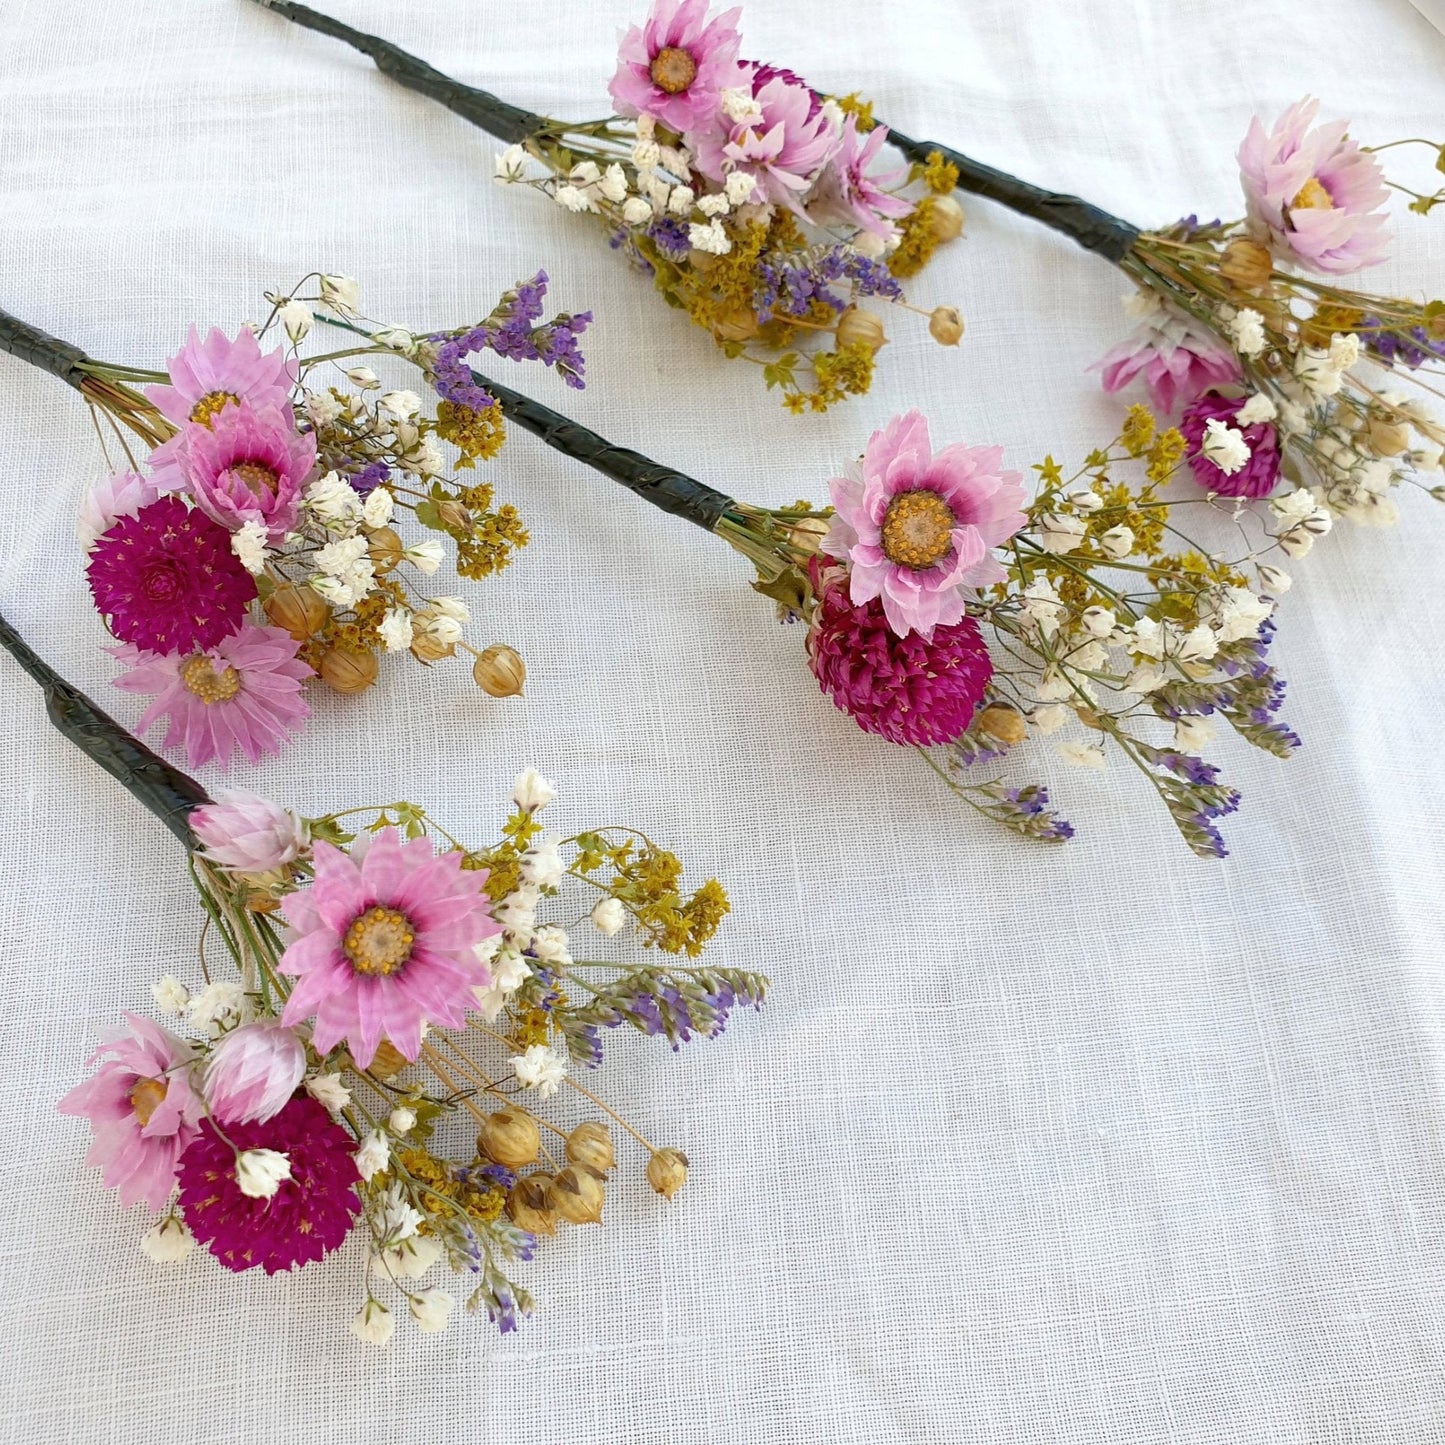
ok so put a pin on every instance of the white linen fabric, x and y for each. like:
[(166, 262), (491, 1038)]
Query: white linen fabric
[(1093, 1144)]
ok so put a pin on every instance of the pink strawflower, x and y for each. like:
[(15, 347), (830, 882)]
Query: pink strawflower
[(1260, 474), (676, 66), (309, 1215), (252, 1072), (245, 694), (1177, 360), (1313, 194), (384, 941), (916, 528), (167, 579), (121, 494), (784, 147), (247, 833), (910, 690), (849, 193), (142, 1111), (249, 466), (207, 376)]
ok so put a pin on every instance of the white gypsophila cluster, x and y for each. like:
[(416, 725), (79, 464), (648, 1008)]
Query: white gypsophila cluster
[(171, 995), (393, 1217), (341, 295), (329, 1091), (1246, 331), (1225, 446), (540, 1069), (376, 510), (372, 1155), (412, 1257), (218, 1008), (1301, 518), (331, 501), (395, 629), (431, 1309), (261, 1172), (345, 573), (249, 546)]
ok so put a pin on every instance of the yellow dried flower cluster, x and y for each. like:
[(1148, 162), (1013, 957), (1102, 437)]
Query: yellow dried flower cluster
[(919, 233), (478, 435), (854, 105), (447, 1195), (847, 371)]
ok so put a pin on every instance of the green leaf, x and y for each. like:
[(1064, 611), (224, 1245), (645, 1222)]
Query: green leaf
[(428, 515)]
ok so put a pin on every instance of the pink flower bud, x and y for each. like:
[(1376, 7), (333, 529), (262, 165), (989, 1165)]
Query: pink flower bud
[(252, 1072), (248, 833)]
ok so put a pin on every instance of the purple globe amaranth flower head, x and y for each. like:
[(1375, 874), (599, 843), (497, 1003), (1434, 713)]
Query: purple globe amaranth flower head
[(1258, 476), (252, 1073), (246, 833), (1177, 360), (249, 466), (912, 690), (917, 528), (676, 66), (847, 191), (142, 1110), (1313, 194), (207, 376), (784, 142)]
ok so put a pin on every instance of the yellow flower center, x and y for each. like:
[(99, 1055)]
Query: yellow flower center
[(200, 676), (1312, 196), (672, 70), (379, 942), (261, 479), (918, 529), (211, 403), (146, 1096)]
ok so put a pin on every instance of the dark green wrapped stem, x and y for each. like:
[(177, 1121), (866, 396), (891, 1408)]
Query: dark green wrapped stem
[(1095, 230), (169, 793), (506, 122), (670, 491), (30, 343)]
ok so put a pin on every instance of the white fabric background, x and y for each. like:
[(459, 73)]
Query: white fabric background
[(1090, 1145)]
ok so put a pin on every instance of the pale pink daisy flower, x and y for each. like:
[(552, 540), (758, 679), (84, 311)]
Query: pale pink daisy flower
[(1314, 194), (916, 528), (676, 66), (784, 147), (243, 695), (249, 466), (849, 192), (208, 376), (142, 1111), (384, 941)]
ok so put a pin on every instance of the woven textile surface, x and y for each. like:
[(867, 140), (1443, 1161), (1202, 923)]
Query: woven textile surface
[(1096, 1144)]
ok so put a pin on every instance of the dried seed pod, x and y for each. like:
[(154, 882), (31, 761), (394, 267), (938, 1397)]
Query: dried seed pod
[(591, 1144), (861, 328), (427, 648), (1246, 263), (808, 533), (737, 323), (388, 1060), (499, 671), (385, 548), (945, 219), (527, 1205), (349, 669), (945, 326), (1003, 722), (297, 610), (1388, 438), (667, 1171), (510, 1137), (577, 1195), (454, 516)]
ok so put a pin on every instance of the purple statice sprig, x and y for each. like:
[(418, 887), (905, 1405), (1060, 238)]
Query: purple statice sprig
[(1195, 798), (512, 332), (1024, 809), (676, 1004), (505, 1301), (1391, 343), (790, 284)]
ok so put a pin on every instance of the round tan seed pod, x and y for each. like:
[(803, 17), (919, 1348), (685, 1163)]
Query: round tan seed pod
[(1246, 263), (297, 610), (1003, 722), (808, 533), (384, 547), (499, 671), (861, 328), (527, 1205), (667, 1171), (510, 1138), (349, 669), (577, 1196), (945, 219), (945, 326), (738, 323), (591, 1144), (454, 516), (388, 1060)]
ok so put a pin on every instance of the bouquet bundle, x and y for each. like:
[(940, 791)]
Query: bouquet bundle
[(756, 206), (259, 547), (1280, 375), (374, 1054), (945, 610)]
